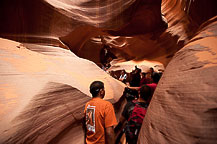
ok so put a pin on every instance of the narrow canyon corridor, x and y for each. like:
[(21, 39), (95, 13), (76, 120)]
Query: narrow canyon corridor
[(51, 50)]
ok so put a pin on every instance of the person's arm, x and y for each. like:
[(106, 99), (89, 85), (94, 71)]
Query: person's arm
[(119, 129), (109, 135), (120, 125), (135, 88), (121, 78), (84, 128)]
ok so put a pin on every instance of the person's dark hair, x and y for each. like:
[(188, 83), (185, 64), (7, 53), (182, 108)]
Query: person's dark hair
[(145, 92), (95, 87), (123, 71), (152, 70), (143, 73), (139, 70), (156, 77), (130, 94)]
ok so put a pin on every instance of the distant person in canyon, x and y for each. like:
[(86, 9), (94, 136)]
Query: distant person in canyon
[(99, 117), (106, 56), (145, 78), (151, 71), (135, 77), (151, 79), (155, 79), (133, 115), (123, 76)]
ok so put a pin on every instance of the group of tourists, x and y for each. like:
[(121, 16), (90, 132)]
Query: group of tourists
[(100, 121), (137, 78)]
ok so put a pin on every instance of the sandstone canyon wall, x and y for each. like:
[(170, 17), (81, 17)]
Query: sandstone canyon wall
[(183, 108), (43, 94), (44, 78)]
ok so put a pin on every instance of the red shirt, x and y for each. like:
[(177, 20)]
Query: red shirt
[(152, 86)]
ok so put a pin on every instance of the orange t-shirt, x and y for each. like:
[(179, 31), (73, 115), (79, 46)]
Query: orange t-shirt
[(99, 115)]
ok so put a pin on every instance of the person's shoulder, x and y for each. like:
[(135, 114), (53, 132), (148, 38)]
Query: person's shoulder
[(107, 104), (152, 84), (104, 102), (130, 104), (142, 104), (87, 103)]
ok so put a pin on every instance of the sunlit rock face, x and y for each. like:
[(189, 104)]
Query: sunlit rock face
[(43, 93), (140, 29), (129, 42), (183, 108), (45, 21), (44, 86)]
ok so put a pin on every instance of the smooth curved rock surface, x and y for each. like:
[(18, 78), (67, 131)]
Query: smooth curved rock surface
[(140, 20), (183, 108), (154, 44), (43, 93), (79, 23), (35, 73)]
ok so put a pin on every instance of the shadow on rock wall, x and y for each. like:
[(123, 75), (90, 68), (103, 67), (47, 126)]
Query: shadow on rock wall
[(183, 108), (49, 116)]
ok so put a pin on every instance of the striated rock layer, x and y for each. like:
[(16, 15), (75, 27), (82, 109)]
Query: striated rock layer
[(137, 24), (43, 93), (183, 108), (44, 85), (134, 29)]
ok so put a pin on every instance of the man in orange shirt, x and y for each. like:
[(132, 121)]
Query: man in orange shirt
[(99, 117)]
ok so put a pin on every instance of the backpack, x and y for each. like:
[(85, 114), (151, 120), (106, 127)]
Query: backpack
[(134, 122)]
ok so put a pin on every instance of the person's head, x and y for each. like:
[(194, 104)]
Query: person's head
[(139, 70), (151, 70), (135, 70), (145, 92), (123, 72), (142, 74), (97, 89), (148, 75), (130, 94), (156, 77)]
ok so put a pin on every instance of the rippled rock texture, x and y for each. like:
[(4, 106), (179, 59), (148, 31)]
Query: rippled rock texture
[(183, 108), (44, 80), (43, 93)]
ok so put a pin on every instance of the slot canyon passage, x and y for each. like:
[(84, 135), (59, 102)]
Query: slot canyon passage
[(50, 53)]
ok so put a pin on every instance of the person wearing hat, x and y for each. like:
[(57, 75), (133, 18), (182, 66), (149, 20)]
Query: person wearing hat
[(99, 117)]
